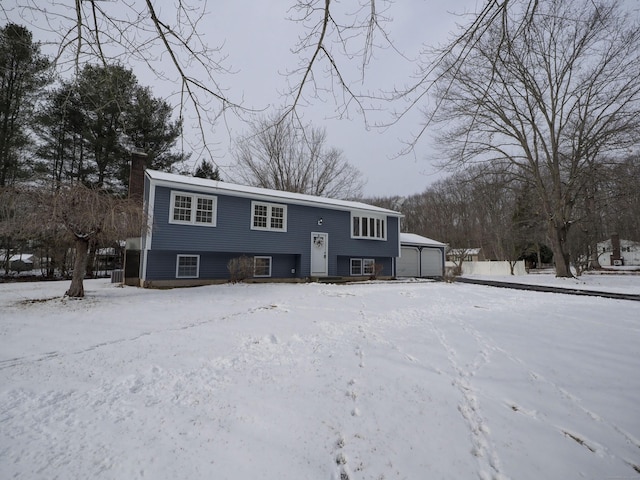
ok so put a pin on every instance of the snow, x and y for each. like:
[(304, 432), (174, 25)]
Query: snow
[(600, 281), (414, 239), (393, 380)]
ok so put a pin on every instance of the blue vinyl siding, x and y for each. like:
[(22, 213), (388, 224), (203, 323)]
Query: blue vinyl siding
[(162, 264), (232, 236), (344, 264)]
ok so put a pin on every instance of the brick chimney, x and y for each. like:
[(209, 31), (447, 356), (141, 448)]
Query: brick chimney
[(136, 175)]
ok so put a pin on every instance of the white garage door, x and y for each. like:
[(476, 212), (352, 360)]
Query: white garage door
[(408, 263), (431, 259)]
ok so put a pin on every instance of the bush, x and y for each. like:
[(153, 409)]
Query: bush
[(240, 268), (450, 273), (377, 270)]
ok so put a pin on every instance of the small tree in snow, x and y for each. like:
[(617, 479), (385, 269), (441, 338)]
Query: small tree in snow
[(86, 215)]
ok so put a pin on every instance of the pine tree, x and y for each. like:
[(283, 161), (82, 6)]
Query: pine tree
[(23, 72), (207, 169)]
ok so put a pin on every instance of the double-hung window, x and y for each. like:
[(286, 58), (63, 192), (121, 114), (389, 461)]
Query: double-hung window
[(268, 216), (368, 226), (188, 266), (362, 266), (193, 209), (261, 266)]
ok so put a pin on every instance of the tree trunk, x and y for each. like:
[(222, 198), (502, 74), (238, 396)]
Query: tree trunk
[(558, 236), (592, 233), (91, 261), (76, 289), (7, 255), (595, 261)]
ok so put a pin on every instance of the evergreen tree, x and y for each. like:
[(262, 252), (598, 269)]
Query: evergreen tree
[(60, 126), (23, 73), (89, 125), (207, 169)]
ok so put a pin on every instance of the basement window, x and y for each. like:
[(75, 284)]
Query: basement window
[(261, 266), (362, 266), (188, 266)]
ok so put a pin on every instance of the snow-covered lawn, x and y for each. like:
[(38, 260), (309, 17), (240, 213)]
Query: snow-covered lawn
[(602, 281), (417, 380)]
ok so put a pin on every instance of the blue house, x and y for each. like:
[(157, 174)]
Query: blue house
[(197, 226)]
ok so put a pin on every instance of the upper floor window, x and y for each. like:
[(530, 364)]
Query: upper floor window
[(368, 226), (268, 216), (193, 209)]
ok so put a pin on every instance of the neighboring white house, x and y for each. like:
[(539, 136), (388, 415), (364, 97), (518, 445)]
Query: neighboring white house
[(466, 254), (618, 252), (420, 256)]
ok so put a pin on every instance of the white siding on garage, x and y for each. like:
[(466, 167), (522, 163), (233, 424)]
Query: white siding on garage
[(408, 263), (431, 262), (425, 262), (420, 257)]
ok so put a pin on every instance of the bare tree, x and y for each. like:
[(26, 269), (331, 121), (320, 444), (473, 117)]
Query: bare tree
[(546, 101), (281, 156), (621, 197), (86, 215), (335, 37)]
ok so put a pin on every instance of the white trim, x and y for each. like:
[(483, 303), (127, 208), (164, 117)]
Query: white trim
[(351, 271), (149, 233), (325, 266), (269, 217), (195, 184), (369, 263), (376, 222), (361, 271), (418, 241), (185, 255), (193, 208), (270, 265)]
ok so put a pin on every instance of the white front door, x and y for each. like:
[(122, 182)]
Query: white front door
[(319, 249)]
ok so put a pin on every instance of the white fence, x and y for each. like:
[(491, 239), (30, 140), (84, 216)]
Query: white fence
[(491, 268)]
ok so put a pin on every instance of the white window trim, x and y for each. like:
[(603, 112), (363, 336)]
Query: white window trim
[(269, 216), (368, 216), (361, 271), (270, 265), (178, 257), (351, 270), (370, 262), (194, 209)]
